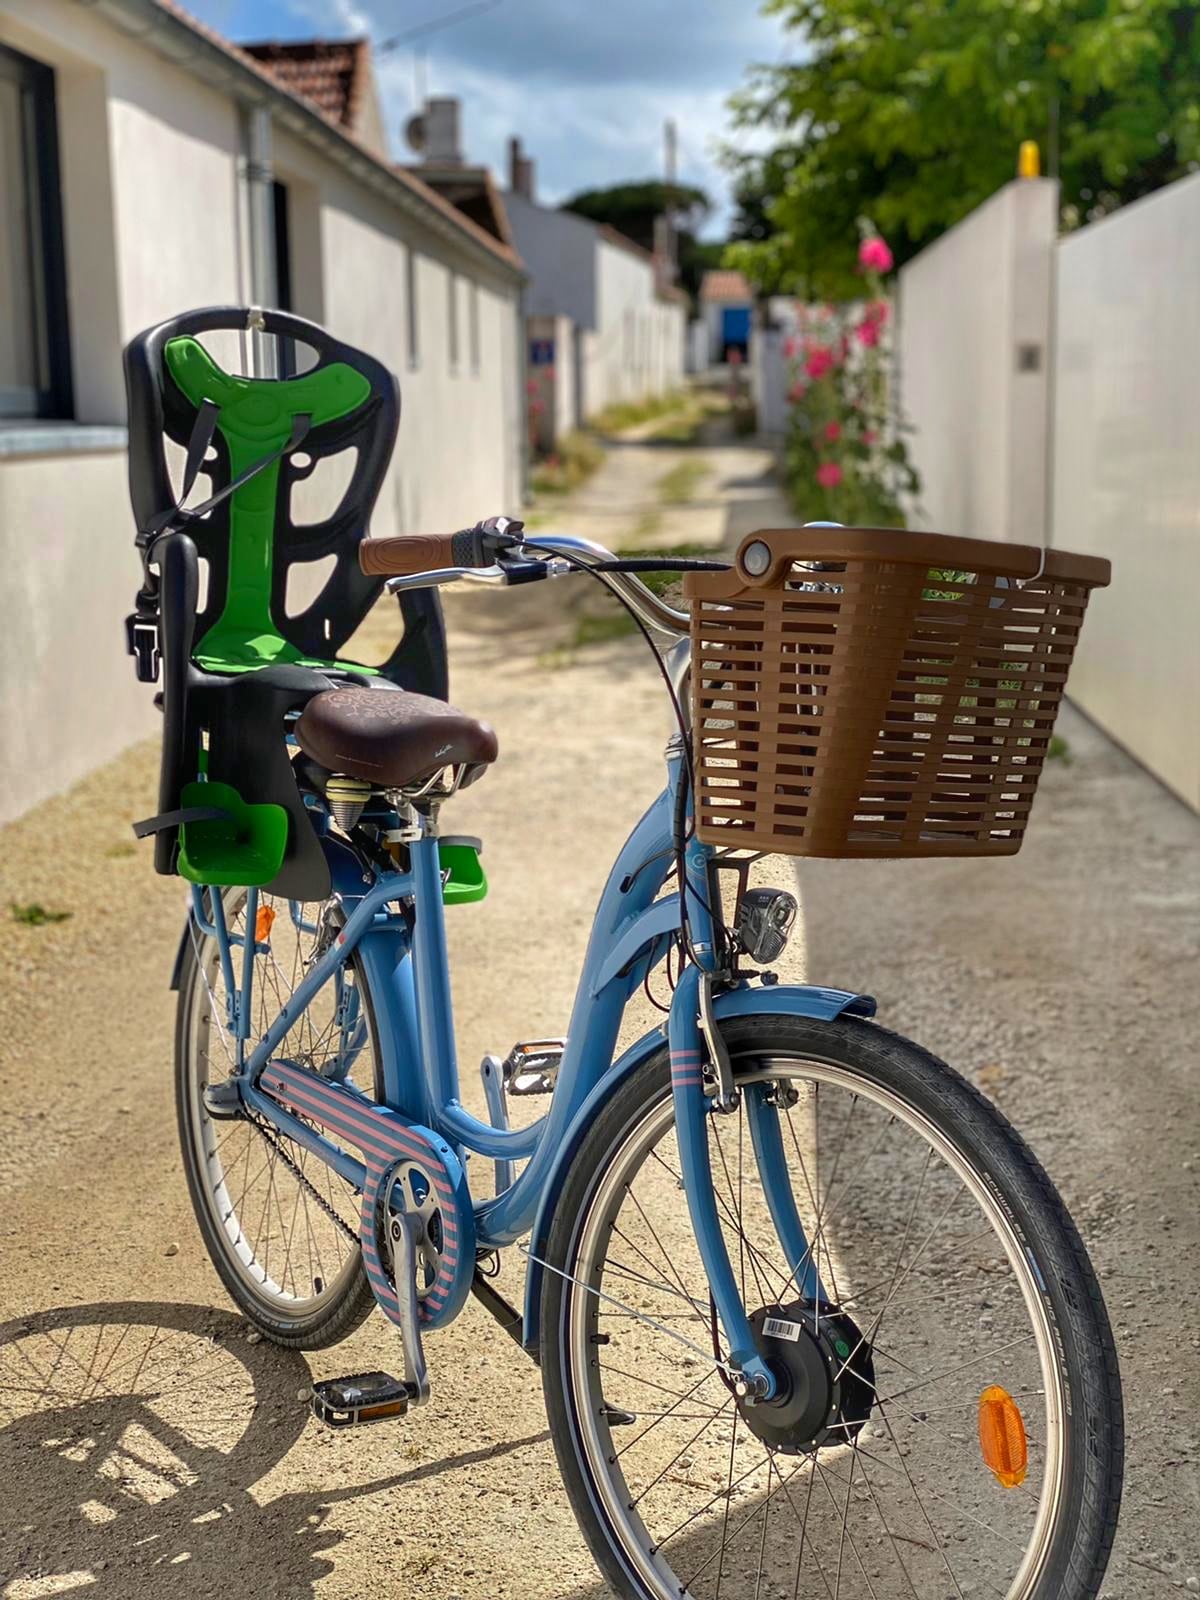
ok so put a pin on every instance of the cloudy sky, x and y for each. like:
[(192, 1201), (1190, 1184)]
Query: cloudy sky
[(586, 83)]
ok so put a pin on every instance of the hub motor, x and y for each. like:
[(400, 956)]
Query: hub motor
[(825, 1374)]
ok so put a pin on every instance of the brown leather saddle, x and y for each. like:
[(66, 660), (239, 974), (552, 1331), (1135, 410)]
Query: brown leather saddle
[(391, 739)]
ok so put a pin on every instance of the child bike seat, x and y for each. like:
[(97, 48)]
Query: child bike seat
[(236, 664)]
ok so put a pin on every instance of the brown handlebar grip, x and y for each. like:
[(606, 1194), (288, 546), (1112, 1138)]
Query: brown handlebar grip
[(410, 552)]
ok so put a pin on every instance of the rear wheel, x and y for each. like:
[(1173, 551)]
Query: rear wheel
[(955, 1291), (280, 1226)]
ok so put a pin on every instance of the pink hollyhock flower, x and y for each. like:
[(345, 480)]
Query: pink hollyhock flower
[(833, 430), (878, 312), (874, 255), (791, 346), (819, 362), (796, 393), (867, 333), (829, 474), (869, 436), (531, 386)]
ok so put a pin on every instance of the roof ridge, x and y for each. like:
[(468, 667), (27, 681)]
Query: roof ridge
[(615, 236)]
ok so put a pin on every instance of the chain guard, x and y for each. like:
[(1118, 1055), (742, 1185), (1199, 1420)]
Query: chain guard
[(389, 1145)]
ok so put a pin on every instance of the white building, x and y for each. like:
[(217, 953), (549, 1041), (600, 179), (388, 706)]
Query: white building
[(147, 167), (601, 316)]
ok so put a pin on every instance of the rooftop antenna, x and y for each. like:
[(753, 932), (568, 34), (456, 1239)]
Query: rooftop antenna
[(671, 154), (421, 31)]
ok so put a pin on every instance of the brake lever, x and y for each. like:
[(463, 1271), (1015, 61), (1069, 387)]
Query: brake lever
[(506, 570), (440, 575)]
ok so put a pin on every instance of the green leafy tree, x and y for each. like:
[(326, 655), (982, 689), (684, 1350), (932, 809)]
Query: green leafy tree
[(632, 209), (913, 114)]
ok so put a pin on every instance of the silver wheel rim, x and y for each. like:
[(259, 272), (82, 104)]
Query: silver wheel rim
[(637, 1541), (336, 1260)]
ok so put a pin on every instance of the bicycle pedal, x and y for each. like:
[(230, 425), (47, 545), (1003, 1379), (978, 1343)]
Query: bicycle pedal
[(367, 1397), (532, 1067)]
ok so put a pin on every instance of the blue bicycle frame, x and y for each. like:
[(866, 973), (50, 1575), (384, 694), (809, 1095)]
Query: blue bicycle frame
[(403, 957)]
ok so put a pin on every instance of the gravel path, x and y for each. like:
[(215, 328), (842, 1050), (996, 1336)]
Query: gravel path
[(148, 1447)]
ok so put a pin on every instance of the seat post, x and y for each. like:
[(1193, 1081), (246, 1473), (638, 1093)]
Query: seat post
[(431, 970)]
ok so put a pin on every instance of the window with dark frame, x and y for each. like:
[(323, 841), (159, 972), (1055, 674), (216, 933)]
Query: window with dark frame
[(35, 379)]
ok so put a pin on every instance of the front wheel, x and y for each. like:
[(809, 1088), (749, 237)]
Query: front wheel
[(949, 1420)]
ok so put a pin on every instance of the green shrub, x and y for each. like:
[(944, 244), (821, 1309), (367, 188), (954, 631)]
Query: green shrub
[(572, 464)]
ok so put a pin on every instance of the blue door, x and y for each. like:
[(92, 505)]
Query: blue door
[(735, 331)]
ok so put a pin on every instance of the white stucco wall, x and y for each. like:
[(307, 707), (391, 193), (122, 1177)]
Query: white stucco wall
[(638, 346), (154, 224), (559, 252), (630, 342), (1127, 471), (972, 309), (769, 379), (457, 457)]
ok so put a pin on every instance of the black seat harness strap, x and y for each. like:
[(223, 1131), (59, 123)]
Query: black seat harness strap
[(173, 819), (141, 627)]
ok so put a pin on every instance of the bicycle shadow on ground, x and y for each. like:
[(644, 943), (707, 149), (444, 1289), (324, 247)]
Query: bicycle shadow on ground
[(131, 1437)]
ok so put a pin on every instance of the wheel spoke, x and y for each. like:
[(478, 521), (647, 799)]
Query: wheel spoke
[(273, 1200), (887, 1203)]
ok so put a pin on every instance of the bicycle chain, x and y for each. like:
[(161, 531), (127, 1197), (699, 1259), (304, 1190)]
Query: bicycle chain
[(305, 1180)]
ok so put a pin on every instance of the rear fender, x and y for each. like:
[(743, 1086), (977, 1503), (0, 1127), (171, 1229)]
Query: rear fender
[(798, 1000)]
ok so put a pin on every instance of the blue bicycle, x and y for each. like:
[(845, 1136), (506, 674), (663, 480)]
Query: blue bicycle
[(811, 1318)]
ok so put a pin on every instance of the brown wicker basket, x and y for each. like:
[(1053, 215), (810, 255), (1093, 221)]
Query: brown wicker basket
[(895, 700)]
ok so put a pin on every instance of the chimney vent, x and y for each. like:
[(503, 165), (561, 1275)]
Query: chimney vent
[(439, 133), (520, 170)]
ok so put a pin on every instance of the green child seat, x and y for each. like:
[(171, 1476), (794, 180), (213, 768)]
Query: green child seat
[(235, 667)]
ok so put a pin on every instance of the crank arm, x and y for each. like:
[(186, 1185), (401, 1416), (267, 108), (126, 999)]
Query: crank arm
[(402, 1230)]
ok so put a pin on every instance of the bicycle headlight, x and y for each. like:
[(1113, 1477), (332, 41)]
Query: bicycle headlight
[(764, 923)]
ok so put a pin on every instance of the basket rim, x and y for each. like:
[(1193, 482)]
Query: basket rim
[(905, 546)]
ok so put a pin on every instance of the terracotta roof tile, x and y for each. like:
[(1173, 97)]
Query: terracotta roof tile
[(329, 72), (721, 285)]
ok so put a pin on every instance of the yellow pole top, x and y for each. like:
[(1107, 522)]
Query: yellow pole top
[(1029, 161)]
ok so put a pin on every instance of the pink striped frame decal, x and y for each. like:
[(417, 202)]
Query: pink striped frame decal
[(685, 1069), (384, 1138)]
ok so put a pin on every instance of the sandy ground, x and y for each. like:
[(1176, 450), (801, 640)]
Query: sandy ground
[(147, 1447)]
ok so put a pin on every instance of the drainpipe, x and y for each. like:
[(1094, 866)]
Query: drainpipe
[(260, 208)]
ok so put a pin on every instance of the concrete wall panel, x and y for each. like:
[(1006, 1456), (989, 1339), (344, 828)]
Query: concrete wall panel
[(1127, 471)]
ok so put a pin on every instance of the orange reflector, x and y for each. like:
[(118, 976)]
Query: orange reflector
[(1002, 1437), (263, 923), (386, 1408)]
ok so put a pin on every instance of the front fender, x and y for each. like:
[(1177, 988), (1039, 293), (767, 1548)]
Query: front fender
[(795, 1000)]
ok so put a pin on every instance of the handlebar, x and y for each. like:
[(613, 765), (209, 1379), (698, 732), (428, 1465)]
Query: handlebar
[(495, 552), (423, 552)]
